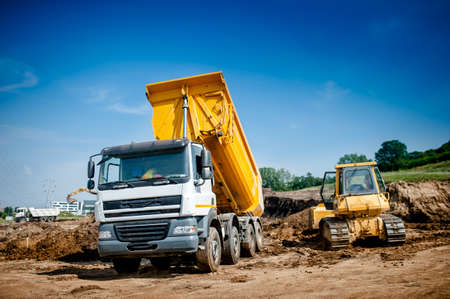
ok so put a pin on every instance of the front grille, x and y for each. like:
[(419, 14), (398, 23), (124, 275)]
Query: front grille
[(141, 203), (141, 213), (142, 231)]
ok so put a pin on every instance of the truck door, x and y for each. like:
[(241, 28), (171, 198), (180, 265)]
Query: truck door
[(204, 197)]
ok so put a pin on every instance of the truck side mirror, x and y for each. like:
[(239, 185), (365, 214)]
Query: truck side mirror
[(206, 159), (91, 169), (206, 165), (90, 184), (206, 173)]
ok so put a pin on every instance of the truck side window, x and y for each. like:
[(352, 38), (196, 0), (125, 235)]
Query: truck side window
[(196, 161)]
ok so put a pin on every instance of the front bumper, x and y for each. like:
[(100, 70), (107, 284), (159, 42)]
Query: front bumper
[(172, 244)]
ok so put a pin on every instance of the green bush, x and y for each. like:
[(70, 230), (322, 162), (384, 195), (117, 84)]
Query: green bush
[(283, 180)]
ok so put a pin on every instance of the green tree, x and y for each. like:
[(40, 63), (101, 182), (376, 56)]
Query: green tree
[(8, 211), (271, 179), (276, 179), (353, 158), (391, 155), (283, 180), (301, 182)]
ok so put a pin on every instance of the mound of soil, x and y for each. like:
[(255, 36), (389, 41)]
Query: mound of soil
[(427, 201), (425, 206), (282, 204), (68, 240)]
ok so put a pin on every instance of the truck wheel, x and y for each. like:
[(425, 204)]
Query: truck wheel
[(160, 263), (232, 248), (249, 247), (258, 236), (208, 258), (124, 266)]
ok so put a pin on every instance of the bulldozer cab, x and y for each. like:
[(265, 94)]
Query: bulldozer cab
[(351, 180)]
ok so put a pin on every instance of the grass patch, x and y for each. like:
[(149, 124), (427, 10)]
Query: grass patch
[(437, 171), (68, 216)]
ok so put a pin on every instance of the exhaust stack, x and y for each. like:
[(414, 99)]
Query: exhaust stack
[(185, 108)]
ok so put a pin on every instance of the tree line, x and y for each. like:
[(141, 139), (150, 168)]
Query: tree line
[(282, 180), (7, 211), (393, 155)]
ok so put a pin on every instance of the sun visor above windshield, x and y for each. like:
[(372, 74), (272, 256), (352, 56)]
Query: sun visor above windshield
[(142, 147)]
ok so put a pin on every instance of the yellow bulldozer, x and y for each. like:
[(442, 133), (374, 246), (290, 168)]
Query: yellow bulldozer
[(354, 200)]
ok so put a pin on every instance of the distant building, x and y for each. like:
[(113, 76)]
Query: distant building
[(64, 206), (87, 207)]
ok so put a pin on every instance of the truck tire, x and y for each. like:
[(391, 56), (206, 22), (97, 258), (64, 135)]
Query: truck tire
[(249, 247), (208, 258), (125, 266), (160, 263), (232, 248), (258, 237)]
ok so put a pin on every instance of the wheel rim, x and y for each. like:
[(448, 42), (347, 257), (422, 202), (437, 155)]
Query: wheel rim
[(258, 235), (252, 240), (236, 244), (215, 250)]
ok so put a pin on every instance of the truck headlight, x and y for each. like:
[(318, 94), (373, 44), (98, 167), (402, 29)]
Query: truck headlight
[(187, 229), (104, 235)]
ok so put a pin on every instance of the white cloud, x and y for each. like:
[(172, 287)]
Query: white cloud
[(329, 94), (29, 80), (99, 94), (139, 110), (331, 91), (16, 75), (27, 170)]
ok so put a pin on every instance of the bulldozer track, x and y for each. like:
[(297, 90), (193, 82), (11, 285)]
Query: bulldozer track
[(395, 229), (339, 236)]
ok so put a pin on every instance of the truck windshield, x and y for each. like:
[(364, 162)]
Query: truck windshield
[(144, 169), (358, 181)]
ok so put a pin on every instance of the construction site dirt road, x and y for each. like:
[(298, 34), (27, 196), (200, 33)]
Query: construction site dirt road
[(59, 259)]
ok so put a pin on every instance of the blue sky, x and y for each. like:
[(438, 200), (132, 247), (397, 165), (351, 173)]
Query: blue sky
[(311, 81)]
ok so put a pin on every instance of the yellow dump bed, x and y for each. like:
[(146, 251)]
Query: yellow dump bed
[(213, 121)]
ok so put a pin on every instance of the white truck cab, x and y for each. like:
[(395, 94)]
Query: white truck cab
[(155, 200)]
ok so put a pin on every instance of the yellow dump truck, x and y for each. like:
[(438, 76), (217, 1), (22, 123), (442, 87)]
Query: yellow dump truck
[(194, 194)]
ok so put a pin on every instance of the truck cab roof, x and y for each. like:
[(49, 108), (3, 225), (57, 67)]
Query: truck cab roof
[(148, 146)]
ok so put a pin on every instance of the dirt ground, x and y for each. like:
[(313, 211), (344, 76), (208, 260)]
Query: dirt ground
[(55, 260)]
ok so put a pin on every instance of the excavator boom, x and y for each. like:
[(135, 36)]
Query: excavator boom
[(70, 199)]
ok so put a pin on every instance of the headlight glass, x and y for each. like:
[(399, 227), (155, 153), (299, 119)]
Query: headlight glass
[(188, 229), (104, 235)]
